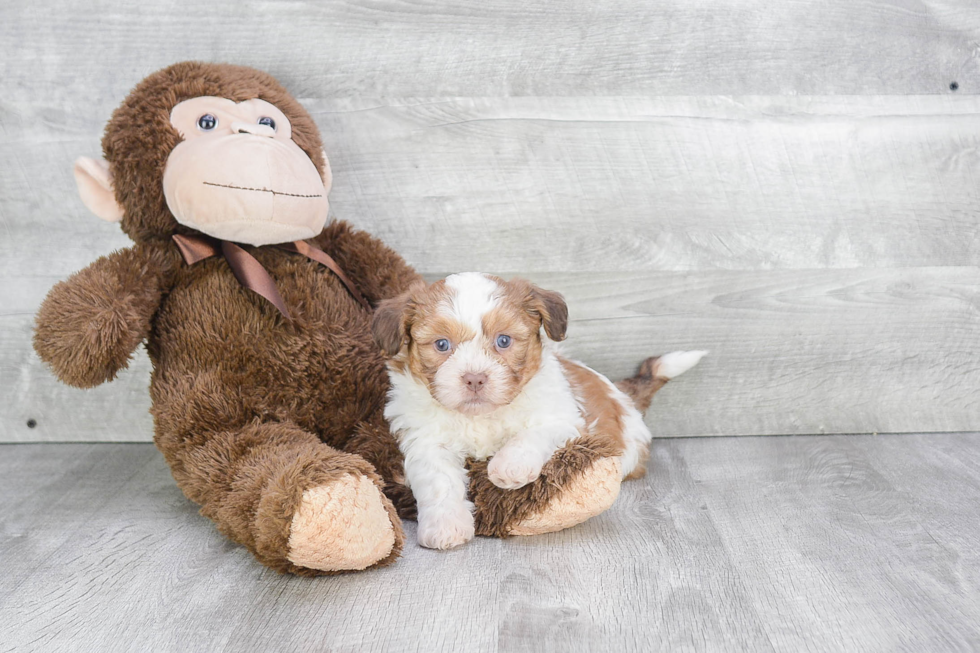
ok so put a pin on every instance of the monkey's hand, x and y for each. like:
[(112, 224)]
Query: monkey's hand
[(377, 270), (89, 325)]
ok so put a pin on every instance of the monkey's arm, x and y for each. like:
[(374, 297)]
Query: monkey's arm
[(90, 324), (376, 269)]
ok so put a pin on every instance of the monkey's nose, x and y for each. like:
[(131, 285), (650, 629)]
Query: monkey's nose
[(474, 382), (241, 127)]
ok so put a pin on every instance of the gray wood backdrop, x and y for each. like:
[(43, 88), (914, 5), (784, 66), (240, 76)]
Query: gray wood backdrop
[(791, 185)]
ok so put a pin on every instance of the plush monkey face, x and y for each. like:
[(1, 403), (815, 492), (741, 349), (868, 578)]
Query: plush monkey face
[(237, 174), (212, 148)]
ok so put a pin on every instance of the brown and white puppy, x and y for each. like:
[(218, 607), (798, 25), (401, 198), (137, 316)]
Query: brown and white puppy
[(472, 377)]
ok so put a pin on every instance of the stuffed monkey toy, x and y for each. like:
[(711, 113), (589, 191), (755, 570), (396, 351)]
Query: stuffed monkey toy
[(267, 387)]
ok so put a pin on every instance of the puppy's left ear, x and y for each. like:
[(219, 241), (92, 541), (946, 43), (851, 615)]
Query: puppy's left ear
[(551, 308), (390, 323)]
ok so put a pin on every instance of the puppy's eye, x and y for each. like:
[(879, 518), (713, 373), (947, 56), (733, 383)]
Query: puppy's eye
[(207, 122), (267, 121), (441, 345), (503, 341)]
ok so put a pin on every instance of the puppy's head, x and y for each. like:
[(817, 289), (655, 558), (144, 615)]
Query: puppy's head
[(473, 339)]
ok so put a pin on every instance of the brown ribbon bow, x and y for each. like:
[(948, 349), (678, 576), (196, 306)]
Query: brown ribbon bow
[(250, 272)]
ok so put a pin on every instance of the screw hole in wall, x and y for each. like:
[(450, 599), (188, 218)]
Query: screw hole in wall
[(31, 423), (954, 86)]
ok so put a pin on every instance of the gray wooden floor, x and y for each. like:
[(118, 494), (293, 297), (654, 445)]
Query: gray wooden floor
[(857, 543)]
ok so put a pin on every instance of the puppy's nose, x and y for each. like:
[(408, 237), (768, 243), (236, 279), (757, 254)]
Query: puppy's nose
[(474, 382)]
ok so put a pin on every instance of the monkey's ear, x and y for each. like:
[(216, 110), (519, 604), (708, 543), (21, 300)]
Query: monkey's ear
[(327, 173), (95, 188)]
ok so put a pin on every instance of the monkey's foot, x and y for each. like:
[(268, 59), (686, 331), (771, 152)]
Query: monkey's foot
[(587, 495), (343, 526)]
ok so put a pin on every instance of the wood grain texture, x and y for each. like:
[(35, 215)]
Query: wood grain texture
[(856, 543), (792, 352), (823, 321), (597, 184), (602, 184), (639, 157), (505, 47), (850, 527)]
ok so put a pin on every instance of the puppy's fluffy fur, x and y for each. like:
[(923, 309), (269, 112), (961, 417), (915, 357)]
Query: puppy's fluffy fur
[(472, 377)]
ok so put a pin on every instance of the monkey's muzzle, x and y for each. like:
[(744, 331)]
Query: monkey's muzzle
[(245, 188)]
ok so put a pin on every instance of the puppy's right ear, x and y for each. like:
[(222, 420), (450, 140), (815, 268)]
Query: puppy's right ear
[(390, 323)]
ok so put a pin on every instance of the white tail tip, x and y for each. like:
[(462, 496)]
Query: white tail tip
[(676, 363)]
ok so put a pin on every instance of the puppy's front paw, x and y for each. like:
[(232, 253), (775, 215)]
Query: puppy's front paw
[(445, 529), (512, 468)]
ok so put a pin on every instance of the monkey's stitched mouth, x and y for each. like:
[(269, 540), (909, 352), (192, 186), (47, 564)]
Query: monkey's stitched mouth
[(260, 190)]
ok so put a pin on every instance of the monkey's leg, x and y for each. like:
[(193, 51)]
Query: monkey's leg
[(374, 441), (581, 480), (297, 504)]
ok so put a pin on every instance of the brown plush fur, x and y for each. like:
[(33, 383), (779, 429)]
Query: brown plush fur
[(497, 513), (139, 136), (250, 409), (95, 319)]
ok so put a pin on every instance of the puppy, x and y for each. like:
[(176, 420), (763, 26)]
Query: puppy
[(472, 377)]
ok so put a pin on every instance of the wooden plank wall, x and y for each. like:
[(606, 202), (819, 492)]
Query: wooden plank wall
[(790, 185)]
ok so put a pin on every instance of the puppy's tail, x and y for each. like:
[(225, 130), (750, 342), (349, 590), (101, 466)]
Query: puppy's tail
[(654, 373)]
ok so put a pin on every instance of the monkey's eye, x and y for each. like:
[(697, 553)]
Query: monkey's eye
[(267, 121), (442, 345), (503, 341), (207, 122)]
